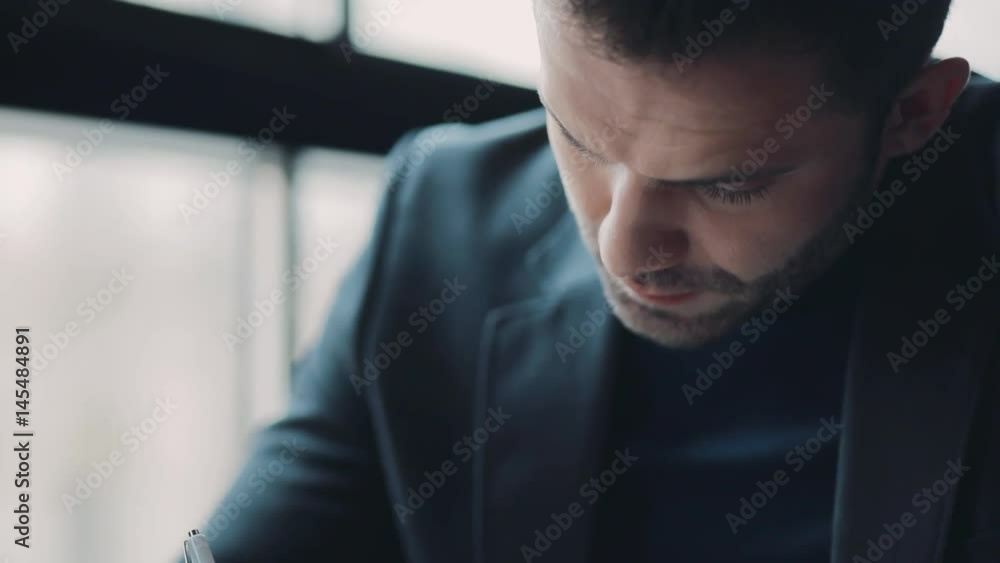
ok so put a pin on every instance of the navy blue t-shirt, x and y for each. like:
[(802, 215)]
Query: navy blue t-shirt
[(736, 453)]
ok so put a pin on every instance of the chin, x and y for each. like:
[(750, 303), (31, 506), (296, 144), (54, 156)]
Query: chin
[(674, 330)]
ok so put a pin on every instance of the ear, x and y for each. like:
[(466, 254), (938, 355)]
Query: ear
[(923, 106)]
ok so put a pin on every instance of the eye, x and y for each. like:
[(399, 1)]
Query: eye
[(586, 154), (730, 196)]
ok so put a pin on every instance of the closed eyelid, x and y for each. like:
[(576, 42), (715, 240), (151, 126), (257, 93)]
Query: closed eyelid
[(762, 178), (569, 137), (576, 144)]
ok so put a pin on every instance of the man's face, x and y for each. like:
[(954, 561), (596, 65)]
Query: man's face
[(701, 191)]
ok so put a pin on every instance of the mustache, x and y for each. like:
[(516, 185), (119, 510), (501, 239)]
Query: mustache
[(680, 279)]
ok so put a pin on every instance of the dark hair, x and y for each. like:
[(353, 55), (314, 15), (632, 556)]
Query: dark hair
[(871, 48)]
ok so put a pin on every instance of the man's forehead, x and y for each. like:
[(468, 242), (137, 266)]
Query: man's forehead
[(738, 87), (726, 99), (664, 133)]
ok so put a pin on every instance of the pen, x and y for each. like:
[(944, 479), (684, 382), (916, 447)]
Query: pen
[(196, 549)]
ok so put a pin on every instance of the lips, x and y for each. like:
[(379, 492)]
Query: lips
[(661, 297)]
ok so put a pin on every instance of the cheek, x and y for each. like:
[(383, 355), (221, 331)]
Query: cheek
[(758, 239)]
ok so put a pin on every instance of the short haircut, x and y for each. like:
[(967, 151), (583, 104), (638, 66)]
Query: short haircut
[(871, 48)]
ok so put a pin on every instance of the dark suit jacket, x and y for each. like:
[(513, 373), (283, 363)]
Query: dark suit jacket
[(452, 317)]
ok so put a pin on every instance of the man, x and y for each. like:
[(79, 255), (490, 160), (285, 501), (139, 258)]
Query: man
[(730, 296)]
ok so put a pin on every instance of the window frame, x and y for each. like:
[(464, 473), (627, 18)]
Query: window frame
[(226, 78)]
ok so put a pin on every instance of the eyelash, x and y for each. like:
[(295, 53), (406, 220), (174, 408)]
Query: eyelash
[(592, 157), (732, 197)]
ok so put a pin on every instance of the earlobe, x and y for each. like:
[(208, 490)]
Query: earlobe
[(924, 105)]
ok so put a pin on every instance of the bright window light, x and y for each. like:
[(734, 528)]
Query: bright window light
[(971, 33), (494, 40), (316, 20), (497, 40)]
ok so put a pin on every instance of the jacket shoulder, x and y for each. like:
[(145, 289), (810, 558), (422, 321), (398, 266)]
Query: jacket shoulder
[(485, 192), (977, 112)]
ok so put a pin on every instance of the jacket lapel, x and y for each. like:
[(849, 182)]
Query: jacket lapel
[(545, 362), (908, 416), (905, 433)]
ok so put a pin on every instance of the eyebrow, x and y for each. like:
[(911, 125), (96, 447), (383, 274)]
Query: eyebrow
[(768, 171)]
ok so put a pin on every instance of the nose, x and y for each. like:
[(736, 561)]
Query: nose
[(643, 232)]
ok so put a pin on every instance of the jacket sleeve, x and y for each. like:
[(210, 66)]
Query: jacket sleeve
[(312, 490)]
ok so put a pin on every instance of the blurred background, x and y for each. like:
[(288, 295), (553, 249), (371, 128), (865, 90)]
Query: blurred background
[(182, 185)]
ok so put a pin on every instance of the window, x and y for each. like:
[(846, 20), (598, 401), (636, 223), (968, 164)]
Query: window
[(136, 202), (497, 40), (494, 40), (971, 33), (335, 196)]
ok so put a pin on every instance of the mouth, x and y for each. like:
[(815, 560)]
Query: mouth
[(662, 298)]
